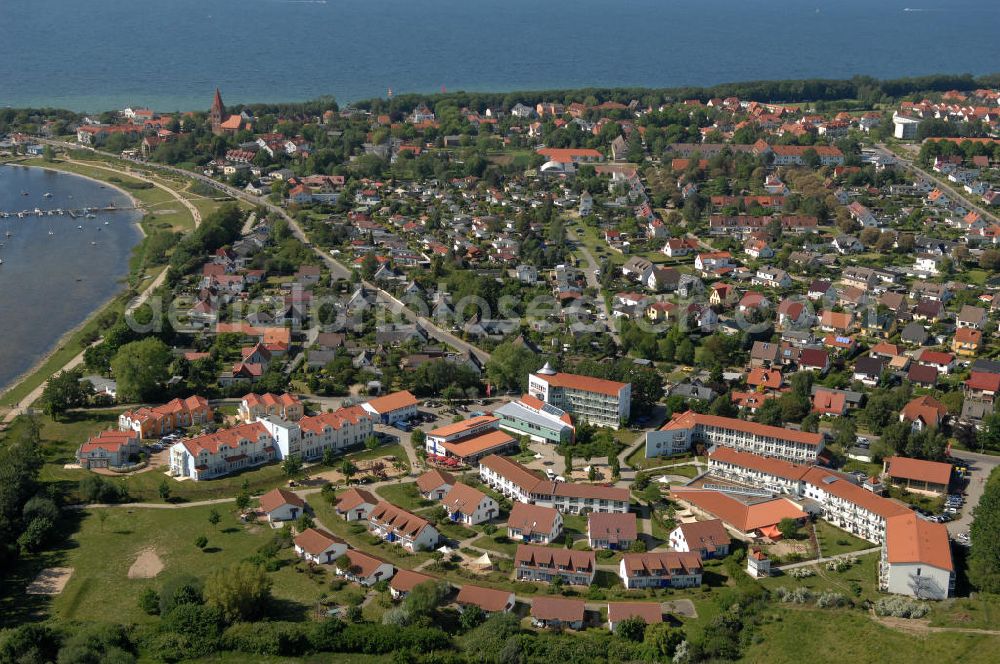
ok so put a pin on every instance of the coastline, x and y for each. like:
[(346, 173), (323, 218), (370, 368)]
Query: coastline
[(67, 338)]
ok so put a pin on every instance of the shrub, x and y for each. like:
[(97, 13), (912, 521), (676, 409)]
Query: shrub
[(181, 589), (149, 601), (267, 638), (831, 600), (201, 542), (801, 573), (900, 607)]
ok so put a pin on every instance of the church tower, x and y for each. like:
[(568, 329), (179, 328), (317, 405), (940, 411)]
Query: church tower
[(218, 112)]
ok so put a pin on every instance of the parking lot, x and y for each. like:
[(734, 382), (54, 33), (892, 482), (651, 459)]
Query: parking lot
[(980, 467)]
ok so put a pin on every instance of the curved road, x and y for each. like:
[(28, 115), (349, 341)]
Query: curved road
[(336, 268)]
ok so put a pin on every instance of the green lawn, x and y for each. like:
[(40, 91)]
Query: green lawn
[(793, 635), (863, 575), (102, 553), (834, 541), (326, 515), (983, 612), (489, 542), (405, 495)]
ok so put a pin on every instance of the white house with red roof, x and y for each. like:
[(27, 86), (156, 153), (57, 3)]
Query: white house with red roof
[(318, 546), (282, 505), (223, 452), (470, 506), (356, 504), (391, 408), (364, 569)]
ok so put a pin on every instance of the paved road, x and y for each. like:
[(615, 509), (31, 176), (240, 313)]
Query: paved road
[(591, 274), (956, 193), (980, 467), (337, 269)]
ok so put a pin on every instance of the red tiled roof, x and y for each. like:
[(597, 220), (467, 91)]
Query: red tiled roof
[(275, 498), (709, 535), (531, 556), (662, 562), (612, 527), (487, 599), (776, 467), (532, 518), (354, 497), (691, 419), (910, 539), (405, 580), (394, 401), (738, 514), (553, 608), (433, 479), (583, 383), (650, 612), (934, 472), (213, 443), (316, 540)]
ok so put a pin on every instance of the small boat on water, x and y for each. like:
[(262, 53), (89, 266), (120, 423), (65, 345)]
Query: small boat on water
[(93, 243), (47, 195), (80, 227), (91, 216)]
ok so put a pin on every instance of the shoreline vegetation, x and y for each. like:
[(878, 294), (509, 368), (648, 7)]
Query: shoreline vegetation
[(76, 340)]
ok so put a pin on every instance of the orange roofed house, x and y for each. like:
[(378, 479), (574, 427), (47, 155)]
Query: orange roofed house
[(285, 406), (171, 416), (594, 400), (916, 558), (108, 449), (392, 408)]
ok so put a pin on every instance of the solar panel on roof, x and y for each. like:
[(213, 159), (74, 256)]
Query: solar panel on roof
[(829, 479), (844, 340)]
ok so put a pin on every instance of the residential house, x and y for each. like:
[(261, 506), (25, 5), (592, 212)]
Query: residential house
[(708, 539), (660, 569), (490, 600), (469, 506), (397, 526), (540, 563), (611, 531), (555, 612), (315, 545), (405, 580), (282, 505), (108, 449), (435, 484), (919, 475), (650, 613), (534, 524), (967, 341), (356, 504), (923, 412), (364, 569)]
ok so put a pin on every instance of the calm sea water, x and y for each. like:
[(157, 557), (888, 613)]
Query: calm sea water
[(103, 54), (51, 283)]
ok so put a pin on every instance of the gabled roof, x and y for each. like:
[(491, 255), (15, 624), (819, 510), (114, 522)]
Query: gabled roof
[(709, 535), (738, 514), (405, 580), (553, 608), (650, 612), (276, 498), (391, 402), (532, 556), (927, 409), (315, 540), (355, 497), (487, 599), (363, 564), (691, 419), (401, 521), (532, 518), (434, 479), (934, 472), (910, 539), (463, 498), (662, 563), (612, 527)]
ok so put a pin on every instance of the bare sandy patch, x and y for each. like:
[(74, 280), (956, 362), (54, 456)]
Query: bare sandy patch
[(146, 566), (50, 581)]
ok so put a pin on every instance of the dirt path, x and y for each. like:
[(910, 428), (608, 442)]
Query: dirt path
[(924, 627)]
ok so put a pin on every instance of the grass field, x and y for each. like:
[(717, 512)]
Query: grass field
[(834, 541), (101, 554), (405, 495), (793, 635), (863, 576)]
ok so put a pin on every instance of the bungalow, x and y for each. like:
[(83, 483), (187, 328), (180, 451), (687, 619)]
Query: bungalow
[(611, 531), (650, 613), (930, 477), (405, 580), (317, 546), (282, 505), (557, 612), (392, 408), (490, 600), (356, 504), (708, 539), (364, 569), (470, 506), (829, 403), (660, 569), (540, 563), (396, 525), (534, 523), (435, 484), (758, 519)]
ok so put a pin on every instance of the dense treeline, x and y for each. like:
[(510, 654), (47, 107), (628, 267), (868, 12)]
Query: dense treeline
[(984, 558), (859, 87), (218, 229)]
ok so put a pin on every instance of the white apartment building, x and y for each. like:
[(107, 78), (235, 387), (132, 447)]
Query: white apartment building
[(520, 484), (597, 401), (397, 526), (916, 559), (690, 427), (660, 569)]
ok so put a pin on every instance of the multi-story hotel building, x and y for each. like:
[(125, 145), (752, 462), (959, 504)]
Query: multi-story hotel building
[(691, 427), (223, 452), (599, 402)]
